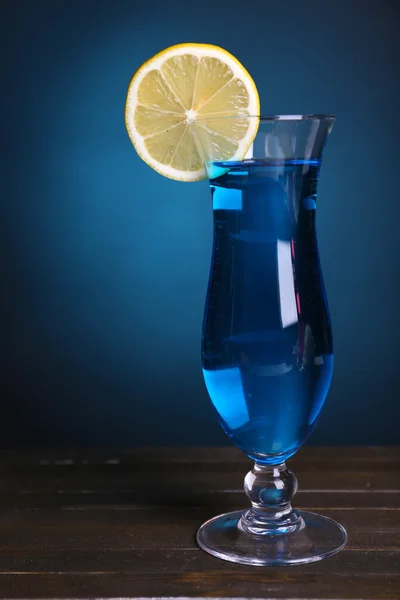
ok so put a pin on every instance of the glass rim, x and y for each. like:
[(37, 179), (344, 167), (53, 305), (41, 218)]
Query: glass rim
[(270, 118)]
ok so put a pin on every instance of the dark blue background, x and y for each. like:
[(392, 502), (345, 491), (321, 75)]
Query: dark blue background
[(104, 263)]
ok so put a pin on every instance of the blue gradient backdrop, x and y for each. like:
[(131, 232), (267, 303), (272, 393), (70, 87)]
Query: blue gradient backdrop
[(104, 263)]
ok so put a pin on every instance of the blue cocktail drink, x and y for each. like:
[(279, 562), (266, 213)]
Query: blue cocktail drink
[(267, 342)]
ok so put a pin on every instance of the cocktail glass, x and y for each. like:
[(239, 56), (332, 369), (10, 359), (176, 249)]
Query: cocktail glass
[(267, 342)]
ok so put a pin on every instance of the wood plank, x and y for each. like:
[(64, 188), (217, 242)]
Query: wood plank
[(194, 455), (192, 498), (183, 560), (147, 485), (119, 467), (59, 519), (32, 531), (258, 583)]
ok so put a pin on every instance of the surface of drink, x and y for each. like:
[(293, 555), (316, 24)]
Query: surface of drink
[(267, 343)]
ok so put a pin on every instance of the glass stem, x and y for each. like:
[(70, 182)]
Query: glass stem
[(270, 489)]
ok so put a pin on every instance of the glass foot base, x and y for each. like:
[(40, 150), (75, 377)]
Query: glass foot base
[(319, 538)]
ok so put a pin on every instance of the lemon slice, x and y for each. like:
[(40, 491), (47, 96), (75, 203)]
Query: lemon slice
[(173, 104)]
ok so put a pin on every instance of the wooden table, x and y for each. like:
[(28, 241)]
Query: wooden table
[(114, 524)]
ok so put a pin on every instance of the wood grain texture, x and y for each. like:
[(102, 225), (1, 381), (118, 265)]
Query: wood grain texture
[(98, 524)]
